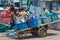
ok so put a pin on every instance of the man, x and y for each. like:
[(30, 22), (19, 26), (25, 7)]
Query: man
[(12, 8), (12, 22), (13, 15), (46, 11)]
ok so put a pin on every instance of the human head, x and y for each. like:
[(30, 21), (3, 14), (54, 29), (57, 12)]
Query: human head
[(44, 8)]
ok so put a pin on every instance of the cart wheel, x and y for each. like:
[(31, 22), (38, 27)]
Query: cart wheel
[(42, 32), (34, 32)]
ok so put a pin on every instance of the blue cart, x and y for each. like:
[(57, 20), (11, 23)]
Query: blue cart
[(34, 27), (31, 26)]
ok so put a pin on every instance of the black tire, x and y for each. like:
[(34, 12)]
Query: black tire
[(42, 32), (34, 32)]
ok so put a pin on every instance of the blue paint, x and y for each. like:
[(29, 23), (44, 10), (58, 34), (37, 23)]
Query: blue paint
[(33, 22), (43, 20), (55, 16), (50, 17), (21, 26)]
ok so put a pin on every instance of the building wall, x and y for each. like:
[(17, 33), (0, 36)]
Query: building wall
[(42, 5), (59, 6), (50, 5), (6, 1), (53, 5)]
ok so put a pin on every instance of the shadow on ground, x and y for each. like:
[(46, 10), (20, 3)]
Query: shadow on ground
[(30, 37)]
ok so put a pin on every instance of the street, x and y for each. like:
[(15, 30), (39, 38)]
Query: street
[(51, 35)]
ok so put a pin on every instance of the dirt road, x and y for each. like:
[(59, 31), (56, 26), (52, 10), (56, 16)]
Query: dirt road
[(52, 35)]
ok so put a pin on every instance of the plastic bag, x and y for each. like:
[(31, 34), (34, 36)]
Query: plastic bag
[(22, 19), (10, 33), (18, 20)]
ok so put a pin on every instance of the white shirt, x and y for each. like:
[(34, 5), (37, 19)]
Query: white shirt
[(20, 19)]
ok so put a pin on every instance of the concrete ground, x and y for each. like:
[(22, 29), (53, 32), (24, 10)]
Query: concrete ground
[(51, 35)]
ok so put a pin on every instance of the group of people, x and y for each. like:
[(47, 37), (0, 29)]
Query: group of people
[(17, 16)]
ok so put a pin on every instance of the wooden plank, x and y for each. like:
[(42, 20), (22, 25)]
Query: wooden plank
[(49, 23), (24, 29)]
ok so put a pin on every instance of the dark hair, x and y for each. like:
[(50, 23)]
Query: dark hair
[(12, 8), (21, 9)]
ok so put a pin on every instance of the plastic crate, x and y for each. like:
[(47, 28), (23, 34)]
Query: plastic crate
[(6, 20)]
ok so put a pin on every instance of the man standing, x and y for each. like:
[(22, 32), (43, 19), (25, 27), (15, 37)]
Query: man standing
[(13, 15), (46, 11)]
